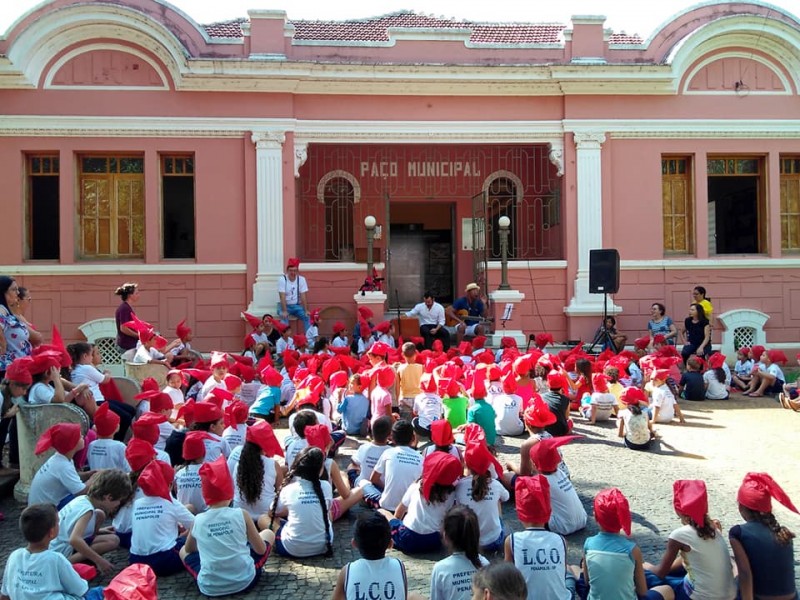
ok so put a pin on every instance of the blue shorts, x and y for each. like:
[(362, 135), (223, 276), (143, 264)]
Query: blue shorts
[(192, 563), (498, 544), (411, 542), (166, 562), (372, 496), (775, 388)]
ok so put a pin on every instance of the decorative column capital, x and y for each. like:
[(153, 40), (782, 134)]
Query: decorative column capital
[(268, 139), (300, 156), (591, 139), (557, 156)]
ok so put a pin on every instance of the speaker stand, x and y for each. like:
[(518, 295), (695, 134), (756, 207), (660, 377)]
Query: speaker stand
[(603, 337)]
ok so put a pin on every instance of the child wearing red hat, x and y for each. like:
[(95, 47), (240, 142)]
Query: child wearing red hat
[(663, 406), (451, 577), (481, 412), (354, 407), (427, 406), (156, 521), (380, 398), (187, 476), (285, 342), (209, 417), (717, 378), (770, 379), (558, 403), (454, 402), (409, 374), (146, 428), (219, 369), (703, 565), (612, 563), (297, 442), (224, 551), (482, 491), (417, 520), (176, 379), (105, 452), (762, 548), (692, 386), (743, 369), (236, 414), (524, 548), (57, 481), (600, 404), (362, 463), (508, 407), (635, 427), (443, 440), (568, 514), (398, 467), (138, 455), (256, 474)]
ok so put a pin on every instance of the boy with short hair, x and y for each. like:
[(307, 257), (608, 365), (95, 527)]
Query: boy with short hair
[(398, 467), (35, 571), (359, 471), (409, 375), (664, 406), (105, 452), (79, 538), (354, 408), (372, 536), (57, 481)]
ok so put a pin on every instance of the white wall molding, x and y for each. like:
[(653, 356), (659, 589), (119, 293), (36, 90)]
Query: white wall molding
[(689, 128), (123, 269), (774, 69), (716, 263)]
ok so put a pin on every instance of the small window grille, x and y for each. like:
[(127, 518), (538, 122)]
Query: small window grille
[(109, 351), (744, 337)]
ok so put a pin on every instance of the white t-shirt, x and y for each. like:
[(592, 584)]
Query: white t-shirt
[(541, 557), (90, 375), (235, 435), (400, 467), (295, 447), (155, 524), (56, 479), (603, 403), (209, 385), (451, 578), (487, 510), (380, 579), (507, 408), (636, 430), (225, 563), (123, 520), (174, 393), (454, 451), (428, 316), (41, 576), (340, 342), (708, 564), (264, 502), (144, 356), (41, 393), (424, 517), (216, 447), (568, 514), (189, 487), (321, 420), (367, 457), (303, 534), (67, 518), (107, 454), (715, 389), (775, 371), (665, 401), (284, 344), (428, 408), (292, 289), (165, 430)]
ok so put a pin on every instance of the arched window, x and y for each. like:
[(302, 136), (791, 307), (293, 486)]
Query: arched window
[(339, 198), (502, 194)]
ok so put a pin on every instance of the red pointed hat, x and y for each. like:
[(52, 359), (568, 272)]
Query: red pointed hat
[(689, 497), (439, 468), (365, 312), (757, 351), (216, 481), (338, 380), (600, 383), (149, 384), (545, 453), (523, 365), (218, 359), (383, 327), (428, 384), (315, 315), (385, 377), (478, 389), (106, 421), (218, 396), (146, 427), (477, 456), (156, 480), (478, 342), (777, 356), (236, 413), (194, 446), (62, 437), (379, 349), (19, 371), (542, 339), (641, 343), (632, 396), (182, 329), (319, 436), (555, 380), (271, 377), (510, 383), (139, 453), (338, 327), (538, 415), (58, 343), (612, 512), (44, 361), (207, 412), (232, 382), (299, 340), (263, 436), (442, 433), (716, 360), (252, 320), (758, 490), (532, 499), (136, 582), (293, 263), (160, 402)]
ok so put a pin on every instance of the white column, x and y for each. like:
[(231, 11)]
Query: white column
[(590, 221), (269, 219)]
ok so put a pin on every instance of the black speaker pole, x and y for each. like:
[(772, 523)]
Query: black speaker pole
[(603, 336)]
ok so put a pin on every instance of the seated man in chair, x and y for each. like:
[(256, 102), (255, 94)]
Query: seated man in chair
[(431, 321), (467, 313)]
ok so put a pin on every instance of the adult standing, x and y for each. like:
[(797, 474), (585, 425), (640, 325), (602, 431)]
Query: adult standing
[(126, 337), (467, 312), (292, 291), (696, 333), (661, 324), (699, 297), (431, 321)]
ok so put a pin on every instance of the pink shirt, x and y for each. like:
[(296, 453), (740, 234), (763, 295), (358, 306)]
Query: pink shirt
[(379, 399)]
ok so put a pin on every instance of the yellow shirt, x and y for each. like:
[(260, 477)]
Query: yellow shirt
[(409, 375)]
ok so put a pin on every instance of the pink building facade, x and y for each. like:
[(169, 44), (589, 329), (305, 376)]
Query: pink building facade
[(136, 144)]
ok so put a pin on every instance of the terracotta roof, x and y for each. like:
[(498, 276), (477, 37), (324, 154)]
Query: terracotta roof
[(375, 29), (625, 38)]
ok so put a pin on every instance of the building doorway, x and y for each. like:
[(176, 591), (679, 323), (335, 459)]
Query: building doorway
[(736, 218), (422, 259)]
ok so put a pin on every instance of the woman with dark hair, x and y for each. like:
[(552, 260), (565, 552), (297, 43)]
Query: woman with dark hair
[(661, 324), (696, 333), (699, 297), (23, 302), (126, 337)]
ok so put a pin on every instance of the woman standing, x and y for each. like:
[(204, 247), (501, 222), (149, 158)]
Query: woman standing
[(696, 333), (23, 302), (661, 324), (699, 297), (126, 337)]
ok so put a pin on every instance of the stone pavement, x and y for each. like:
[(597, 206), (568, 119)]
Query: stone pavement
[(721, 441)]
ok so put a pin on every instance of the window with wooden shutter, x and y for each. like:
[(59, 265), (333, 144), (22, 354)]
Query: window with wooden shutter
[(677, 204)]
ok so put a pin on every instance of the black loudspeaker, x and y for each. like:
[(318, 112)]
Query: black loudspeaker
[(603, 271)]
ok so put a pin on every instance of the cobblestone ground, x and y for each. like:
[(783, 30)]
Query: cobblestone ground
[(720, 442)]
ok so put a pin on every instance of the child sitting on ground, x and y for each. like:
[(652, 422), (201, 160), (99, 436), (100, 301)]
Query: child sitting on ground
[(235, 420), (79, 537), (454, 403), (267, 404), (664, 406), (703, 564), (398, 467), (372, 537), (138, 455), (450, 578), (770, 379), (187, 477), (533, 500), (692, 386), (634, 426), (537, 417), (788, 397), (224, 552), (354, 407), (35, 571), (600, 404), (743, 369), (297, 443), (715, 379), (427, 406), (256, 474), (481, 412), (443, 440), (105, 452), (57, 481), (508, 408), (612, 563), (359, 471), (763, 548), (568, 514)]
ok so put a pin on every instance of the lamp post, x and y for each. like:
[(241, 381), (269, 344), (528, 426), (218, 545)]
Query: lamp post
[(369, 223), (504, 223)]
